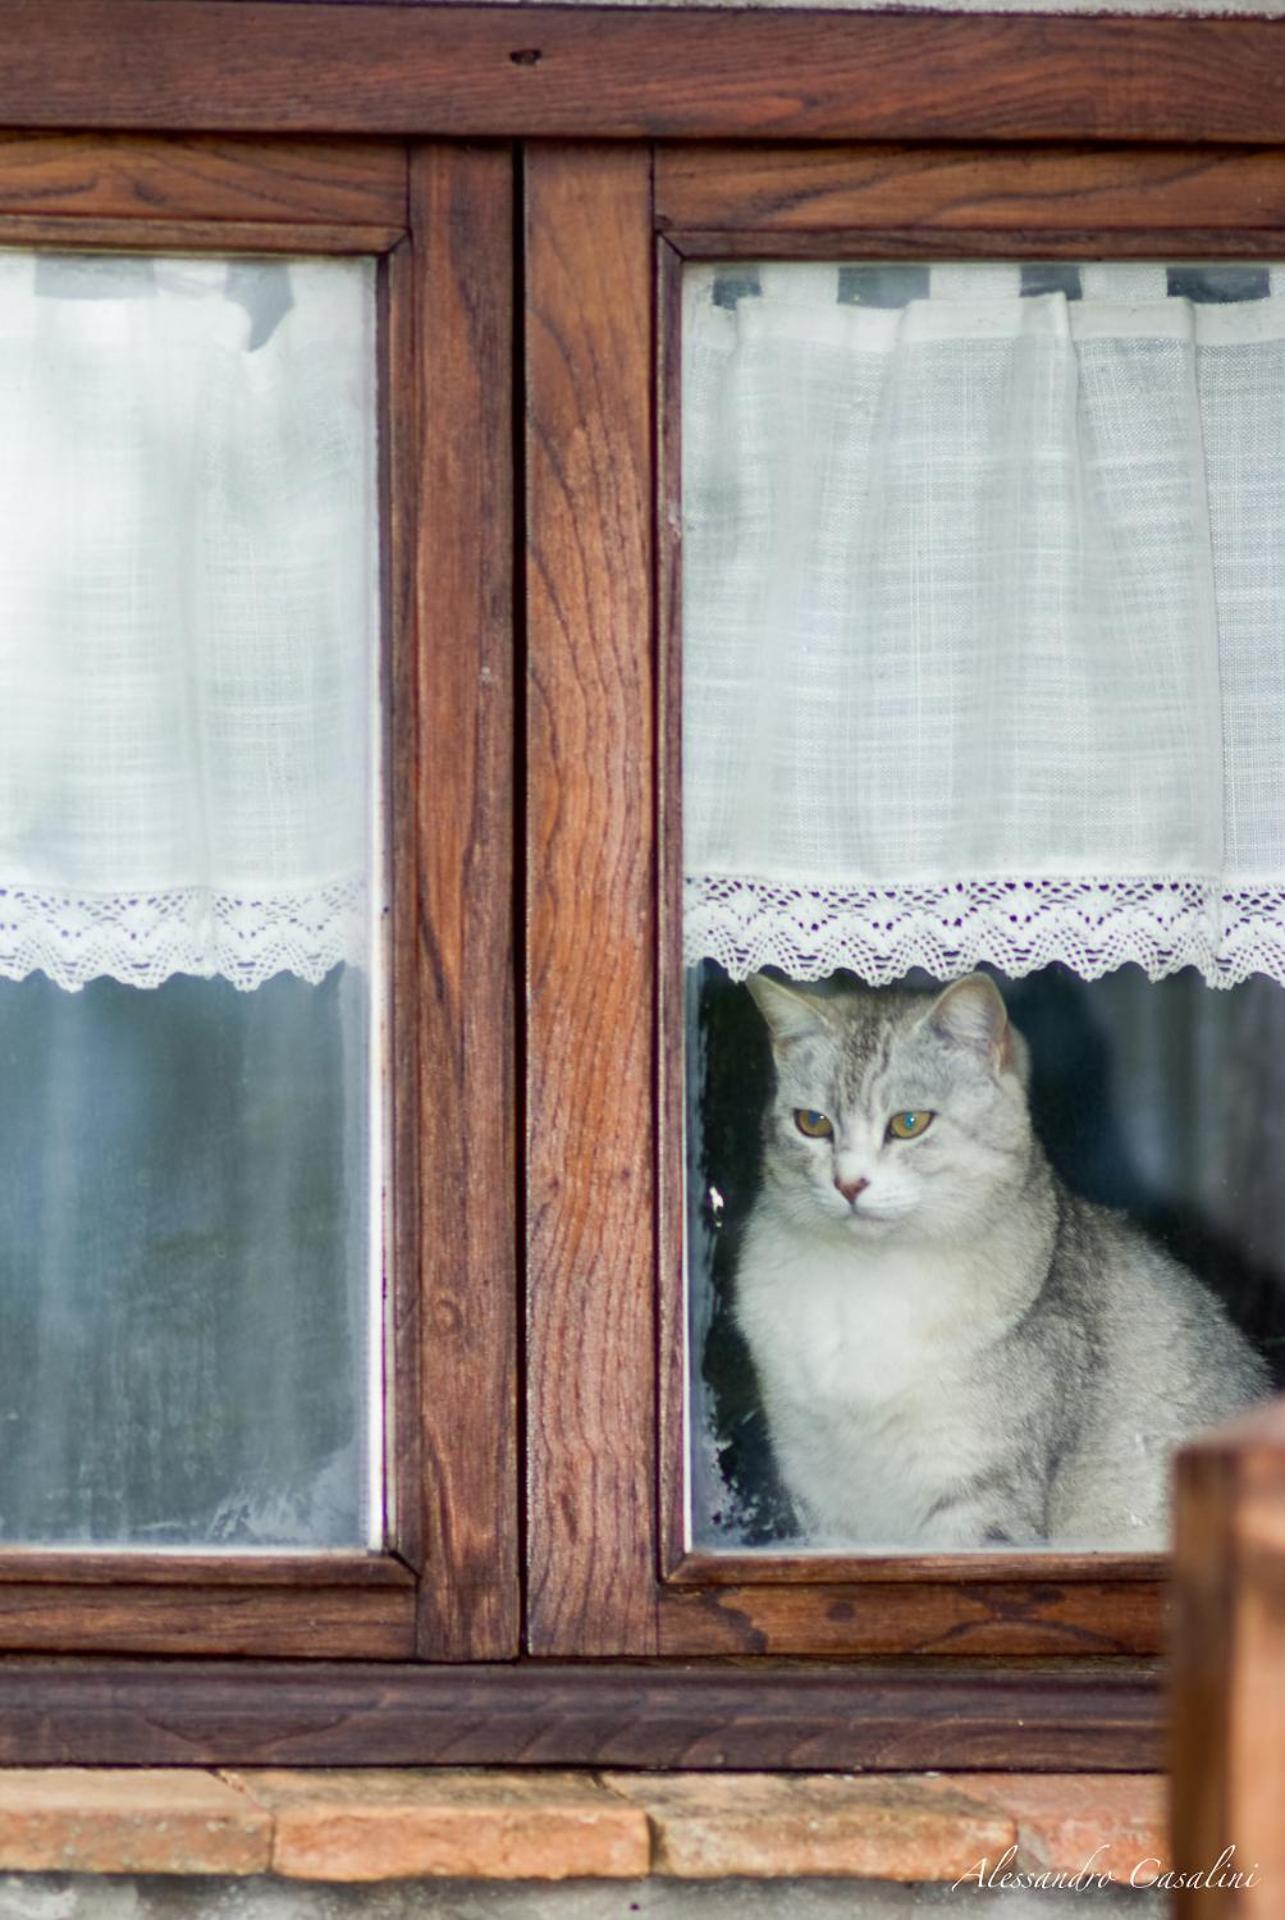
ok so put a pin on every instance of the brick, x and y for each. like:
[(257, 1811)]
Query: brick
[(379, 1825), (773, 1825), (153, 1820), (1105, 1823)]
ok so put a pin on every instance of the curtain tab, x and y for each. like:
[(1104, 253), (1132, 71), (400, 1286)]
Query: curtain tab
[(17, 277), (972, 280), (1124, 280), (800, 283)]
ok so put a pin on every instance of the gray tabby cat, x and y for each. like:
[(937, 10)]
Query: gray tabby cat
[(954, 1350)]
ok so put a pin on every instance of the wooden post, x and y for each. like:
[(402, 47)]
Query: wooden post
[(1229, 1672)]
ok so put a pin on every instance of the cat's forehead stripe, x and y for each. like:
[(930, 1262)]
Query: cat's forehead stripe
[(875, 1028), (875, 1051), (864, 1058)]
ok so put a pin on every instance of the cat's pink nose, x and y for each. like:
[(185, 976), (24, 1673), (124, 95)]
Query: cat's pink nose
[(850, 1188)]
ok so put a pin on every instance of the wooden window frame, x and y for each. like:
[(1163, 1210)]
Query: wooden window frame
[(874, 204), (561, 1622), (446, 1585), (611, 1568)]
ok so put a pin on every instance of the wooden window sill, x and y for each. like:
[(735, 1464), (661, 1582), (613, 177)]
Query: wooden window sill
[(481, 1824)]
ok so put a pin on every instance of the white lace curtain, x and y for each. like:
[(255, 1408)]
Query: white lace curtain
[(984, 623), (188, 610)]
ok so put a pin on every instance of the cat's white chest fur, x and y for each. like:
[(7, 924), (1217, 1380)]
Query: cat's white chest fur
[(862, 1350)]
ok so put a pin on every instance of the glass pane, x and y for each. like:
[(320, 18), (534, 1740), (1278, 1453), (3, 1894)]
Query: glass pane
[(184, 1216), (191, 877), (984, 894)]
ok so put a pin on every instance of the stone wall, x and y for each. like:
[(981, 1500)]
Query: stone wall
[(60, 1897)]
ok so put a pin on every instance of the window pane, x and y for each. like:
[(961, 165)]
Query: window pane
[(191, 881), (984, 891), (184, 1292)]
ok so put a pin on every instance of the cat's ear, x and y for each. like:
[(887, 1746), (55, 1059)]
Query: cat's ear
[(791, 1014), (971, 1012)]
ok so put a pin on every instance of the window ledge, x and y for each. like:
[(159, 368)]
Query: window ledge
[(490, 1825)]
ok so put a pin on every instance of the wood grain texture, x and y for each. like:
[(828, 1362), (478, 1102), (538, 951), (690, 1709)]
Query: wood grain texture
[(671, 1103), (80, 1567), (1169, 244), (1047, 1567), (1001, 190), (242, 65), (590, 903), (191, 236), (1228, 1728), (315, 1622), (1098, 1716), (462, 235), (1203, 1660), (126, 177), (399, 457), (1030, 1618)]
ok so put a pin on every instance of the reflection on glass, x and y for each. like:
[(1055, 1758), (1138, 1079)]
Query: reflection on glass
[(984, 681), (184, 1223)]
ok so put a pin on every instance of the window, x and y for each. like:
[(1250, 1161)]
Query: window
[(980, 667), (722, 216), (533, 1567), (229, 1307), (192, 883)]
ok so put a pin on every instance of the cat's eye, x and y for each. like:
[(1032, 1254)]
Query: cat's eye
[(909, 1126), (815, 1125)]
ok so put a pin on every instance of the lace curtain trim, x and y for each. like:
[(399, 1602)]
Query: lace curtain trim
[(947, 927), (142, 938)]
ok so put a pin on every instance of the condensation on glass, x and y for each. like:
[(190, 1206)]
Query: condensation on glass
[(191, 896), (983, 612)]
